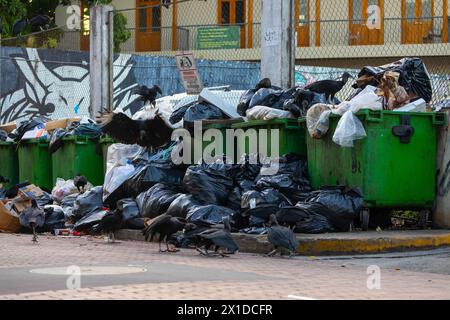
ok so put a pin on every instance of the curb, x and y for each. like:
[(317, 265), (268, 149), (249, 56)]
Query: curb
[(337, 243)]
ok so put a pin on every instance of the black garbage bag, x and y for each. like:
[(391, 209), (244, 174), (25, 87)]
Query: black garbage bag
[(235, 197), (135, 224), (25, 126), (255, 198), (129, 209), (2, 193), (291, 106), (209, 214), (414, 76), (69, 200), (306, 218), (44, 199), (343, 205), (244, 101), (285, 95), (90, 130), (203, 111), (88, 202), (180, 206), (178, 114), (259, 215), (89, 220), (55, 218), (56, 141), (156, 200), (209, 184), (159, 169), (265, 97), (3, 135)]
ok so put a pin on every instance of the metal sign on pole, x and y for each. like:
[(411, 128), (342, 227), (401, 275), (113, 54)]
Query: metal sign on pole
[(189, 73)]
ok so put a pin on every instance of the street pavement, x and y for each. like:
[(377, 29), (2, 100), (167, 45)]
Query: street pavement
[(135, 270)]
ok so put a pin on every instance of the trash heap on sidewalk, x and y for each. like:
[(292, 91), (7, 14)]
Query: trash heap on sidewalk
[(143, 183)]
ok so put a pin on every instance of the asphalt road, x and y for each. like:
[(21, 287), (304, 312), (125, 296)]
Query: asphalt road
[(135, 270)]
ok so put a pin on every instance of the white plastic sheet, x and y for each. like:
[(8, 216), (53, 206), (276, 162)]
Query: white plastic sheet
[(267, 113)]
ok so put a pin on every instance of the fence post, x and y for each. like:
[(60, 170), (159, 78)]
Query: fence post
[(441, 214), (277, 42), (100, 56)]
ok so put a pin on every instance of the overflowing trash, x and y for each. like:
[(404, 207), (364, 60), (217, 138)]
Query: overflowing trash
[(144, 189)]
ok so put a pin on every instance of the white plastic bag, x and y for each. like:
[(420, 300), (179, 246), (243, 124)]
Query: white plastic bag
[(64, 188), (317, 120), (267, 113), (115, 177), (349, 128), (119, 154)]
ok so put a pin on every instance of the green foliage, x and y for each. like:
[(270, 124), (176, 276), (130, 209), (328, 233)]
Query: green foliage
[(121, 34), (10, 11)]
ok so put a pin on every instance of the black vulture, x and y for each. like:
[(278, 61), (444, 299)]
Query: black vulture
[(146, 133), (148, 94), (264, 83), (32, 217), (329, 87), (219, 238), (281, 236), (110, 223), (165, 226), (12, 192), (41, 22), (80, 182), (18, 27)]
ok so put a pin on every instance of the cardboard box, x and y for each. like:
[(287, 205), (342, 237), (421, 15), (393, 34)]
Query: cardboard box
[(60, 123), (30, 191), (9, 127), (20, 204), (9, 222)]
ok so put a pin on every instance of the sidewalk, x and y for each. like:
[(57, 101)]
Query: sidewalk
[(338, 243)]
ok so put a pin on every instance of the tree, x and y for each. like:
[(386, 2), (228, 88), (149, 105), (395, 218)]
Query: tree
[(10, 10)]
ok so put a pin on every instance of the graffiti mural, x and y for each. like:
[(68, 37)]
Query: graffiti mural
[(46, 87), (56, 84)]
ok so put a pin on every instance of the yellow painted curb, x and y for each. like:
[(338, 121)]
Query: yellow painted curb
[(382, 244)]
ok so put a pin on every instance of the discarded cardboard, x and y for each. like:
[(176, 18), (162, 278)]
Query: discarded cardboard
[(8, 127), (30, 191), (214, 99), (20, 204), (9, 222), (60, 123)]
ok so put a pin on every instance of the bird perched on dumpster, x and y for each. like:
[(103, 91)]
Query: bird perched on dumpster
[(150, 132), (41, 22), (165, 226), (18, 26), (219, 238), (33, 217), (280, 237), (148, 94), (110, 223), (329, 87), (80, 183)]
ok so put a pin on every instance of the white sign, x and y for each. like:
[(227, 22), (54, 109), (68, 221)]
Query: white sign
[(189, 73), (271, 37)]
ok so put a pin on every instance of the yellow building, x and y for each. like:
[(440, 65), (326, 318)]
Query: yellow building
[(325, 29)]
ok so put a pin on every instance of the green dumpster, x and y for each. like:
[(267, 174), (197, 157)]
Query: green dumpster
[(35, 163), (291, 136), (394, 166), (9, 163), (105, 142), (79, 155)]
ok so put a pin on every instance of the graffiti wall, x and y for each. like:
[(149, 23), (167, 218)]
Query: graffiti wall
[(55, 84)]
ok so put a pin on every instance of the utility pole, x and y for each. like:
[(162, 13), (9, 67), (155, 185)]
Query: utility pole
[(277, 42), (101, 23)]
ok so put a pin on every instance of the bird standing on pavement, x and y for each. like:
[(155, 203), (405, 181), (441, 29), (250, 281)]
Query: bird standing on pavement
[(110, 223), (148, 94), (329, 87), (219, 238), (33, 217), (18, 27), (165, 226), (80, 182), (281, 237)]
